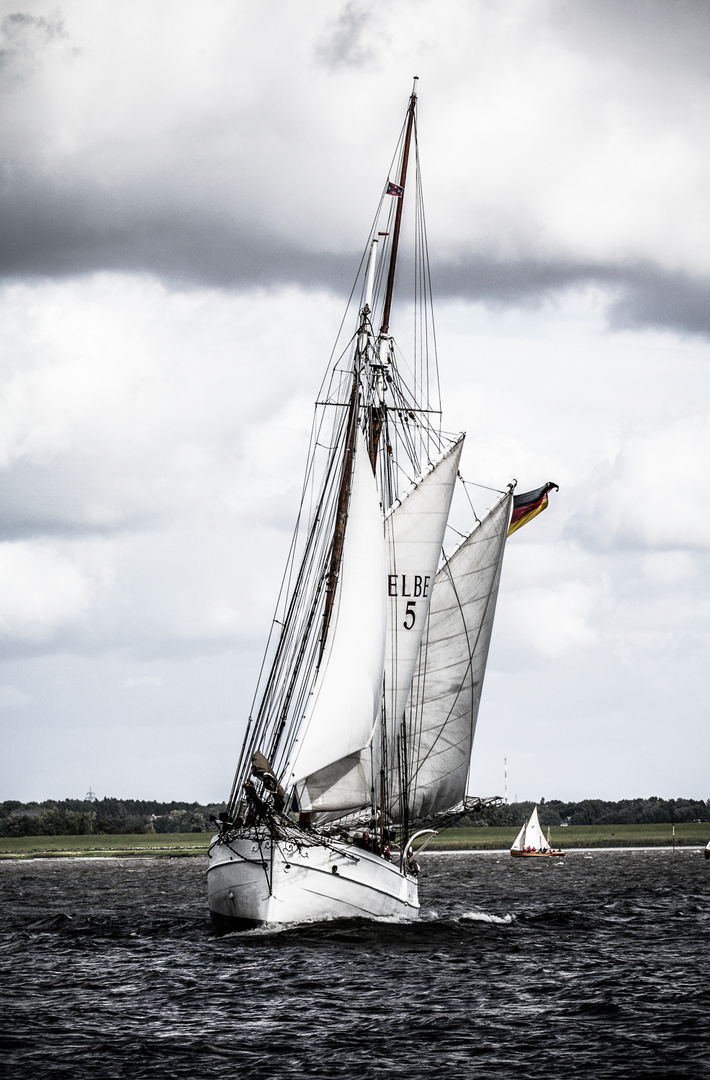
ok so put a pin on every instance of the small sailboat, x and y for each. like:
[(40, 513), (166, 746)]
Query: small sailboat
[(707, 850), (359, 741), (531, 843)]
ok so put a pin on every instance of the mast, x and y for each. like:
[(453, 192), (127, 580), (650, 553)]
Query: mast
[(384, 329), (341, 514), (377, 411), (363, 339)]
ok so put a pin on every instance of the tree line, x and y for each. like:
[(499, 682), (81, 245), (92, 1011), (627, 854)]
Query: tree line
[(73, 817), (77, 817), (598, 812)]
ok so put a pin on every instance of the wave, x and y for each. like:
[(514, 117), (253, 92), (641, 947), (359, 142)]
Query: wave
[(484, 916)]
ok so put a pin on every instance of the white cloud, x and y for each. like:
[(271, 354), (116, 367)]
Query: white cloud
[(554, 621), (139, 682), (11, 698), (41, 591), (122, 401), (669, 568), (649, 493), (158, 433)]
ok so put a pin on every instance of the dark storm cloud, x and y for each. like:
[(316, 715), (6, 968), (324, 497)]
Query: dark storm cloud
[(61, 241), (122, 198), (644, 295), (56, 237), (673, 301)]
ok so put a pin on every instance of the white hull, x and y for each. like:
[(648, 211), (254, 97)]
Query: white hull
[(251, 882)]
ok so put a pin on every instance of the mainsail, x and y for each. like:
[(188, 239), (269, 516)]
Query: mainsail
[(446, 691), (327, 770)]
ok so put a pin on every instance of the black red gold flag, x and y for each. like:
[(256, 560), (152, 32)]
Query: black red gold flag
[(529, 505)]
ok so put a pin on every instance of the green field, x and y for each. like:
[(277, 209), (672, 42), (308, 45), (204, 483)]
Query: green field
[(174, 844), (178, 845), (695, 834)]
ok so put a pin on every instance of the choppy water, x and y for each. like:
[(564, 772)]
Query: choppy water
[(597, 965)]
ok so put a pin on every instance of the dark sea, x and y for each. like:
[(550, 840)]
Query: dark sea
[(597, 965)]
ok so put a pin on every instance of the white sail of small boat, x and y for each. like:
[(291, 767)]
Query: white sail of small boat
[(359, 741), (531, 841)]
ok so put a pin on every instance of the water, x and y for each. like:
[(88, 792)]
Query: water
[(597, 965)]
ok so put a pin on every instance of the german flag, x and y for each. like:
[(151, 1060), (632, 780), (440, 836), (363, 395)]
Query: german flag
[(529, 505)]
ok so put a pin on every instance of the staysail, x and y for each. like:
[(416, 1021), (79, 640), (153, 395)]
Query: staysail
[(443, 704), (414, 534), (327, 767)]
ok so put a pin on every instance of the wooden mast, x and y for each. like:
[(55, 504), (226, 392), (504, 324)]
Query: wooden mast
[(376, 422), (384, 329), (341, 514), (378, 412)]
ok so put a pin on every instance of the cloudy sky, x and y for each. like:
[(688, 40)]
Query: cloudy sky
[(185, 193)]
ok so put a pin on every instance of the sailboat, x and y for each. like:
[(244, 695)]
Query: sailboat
[(358, 745), (531, 843)]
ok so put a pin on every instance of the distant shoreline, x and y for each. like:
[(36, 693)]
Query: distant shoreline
[(570, 850), (165, 853), (491, 840)]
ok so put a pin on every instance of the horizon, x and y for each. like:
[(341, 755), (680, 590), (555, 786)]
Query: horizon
[(543, 800)]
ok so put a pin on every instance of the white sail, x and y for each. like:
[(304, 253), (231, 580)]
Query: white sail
[(414, 534), (531, 836), (446, 692), (519, 841), (327, 766)]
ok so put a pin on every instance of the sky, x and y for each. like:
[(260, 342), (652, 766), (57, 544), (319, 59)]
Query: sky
[(185, 197)]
